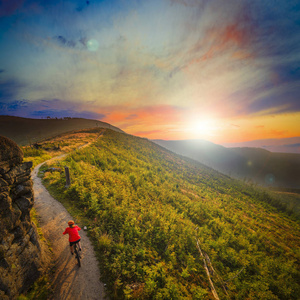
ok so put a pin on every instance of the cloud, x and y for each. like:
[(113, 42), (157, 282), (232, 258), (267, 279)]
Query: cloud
[(152, 62), (277, 100), (63, 41), (83, 6), (15, 106), (292, 145), (52, 107), (149, 132), (9, 7), (9, 88), (66, 113)]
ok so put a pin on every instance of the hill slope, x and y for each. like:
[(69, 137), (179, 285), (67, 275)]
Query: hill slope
[(259, 165), (26, 131), (144, 205)]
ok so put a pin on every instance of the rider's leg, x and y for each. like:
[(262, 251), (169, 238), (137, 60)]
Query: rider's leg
[(79, 245), (71, 248)]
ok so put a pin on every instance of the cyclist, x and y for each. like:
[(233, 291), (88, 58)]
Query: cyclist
[(74, 236)]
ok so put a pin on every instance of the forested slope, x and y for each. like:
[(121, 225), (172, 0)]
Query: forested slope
[(147, 207)]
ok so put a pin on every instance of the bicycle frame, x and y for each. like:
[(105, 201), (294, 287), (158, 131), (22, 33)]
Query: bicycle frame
[(77, 254)]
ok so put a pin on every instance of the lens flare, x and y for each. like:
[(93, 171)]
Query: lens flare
[(92, 45), (270, 179)]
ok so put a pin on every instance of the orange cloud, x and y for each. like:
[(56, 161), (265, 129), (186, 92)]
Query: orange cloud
[(136, 119), (222, 39)]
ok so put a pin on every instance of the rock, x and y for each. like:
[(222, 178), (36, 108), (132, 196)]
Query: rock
[(9, 152), (20, 250)]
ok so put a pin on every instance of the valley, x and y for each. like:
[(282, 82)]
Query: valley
[(254, 165)]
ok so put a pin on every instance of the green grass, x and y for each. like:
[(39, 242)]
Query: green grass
[(41, 290), (289, 200), (142, 204), (60, 144)]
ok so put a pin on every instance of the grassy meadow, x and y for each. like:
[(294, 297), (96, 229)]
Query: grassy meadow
[(146, 208)]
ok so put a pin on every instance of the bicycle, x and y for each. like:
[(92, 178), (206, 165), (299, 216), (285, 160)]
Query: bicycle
[(77, 254)]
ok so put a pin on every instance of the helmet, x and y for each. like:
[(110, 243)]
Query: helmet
[(71, 222)]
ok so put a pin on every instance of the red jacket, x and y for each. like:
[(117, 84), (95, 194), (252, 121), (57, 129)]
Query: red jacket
[(73, 233)]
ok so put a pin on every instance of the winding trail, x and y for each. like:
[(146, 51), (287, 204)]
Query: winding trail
[(69, 281)]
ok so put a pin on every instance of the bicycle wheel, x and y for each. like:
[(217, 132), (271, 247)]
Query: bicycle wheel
[(77, 255)]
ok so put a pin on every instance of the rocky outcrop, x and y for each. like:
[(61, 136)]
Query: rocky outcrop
[(20, 250)]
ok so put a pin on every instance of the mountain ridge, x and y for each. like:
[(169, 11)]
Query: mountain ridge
[(25, 131), (255, 164), (283, 145)]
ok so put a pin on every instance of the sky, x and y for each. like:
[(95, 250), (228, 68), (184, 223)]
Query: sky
[(223, 71)]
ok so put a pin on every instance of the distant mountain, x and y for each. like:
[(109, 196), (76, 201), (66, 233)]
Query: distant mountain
[(255, 164), (286, 145), (25, 131)]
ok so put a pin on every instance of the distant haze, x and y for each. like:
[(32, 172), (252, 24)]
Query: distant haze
[(254, 164), (287, 145)]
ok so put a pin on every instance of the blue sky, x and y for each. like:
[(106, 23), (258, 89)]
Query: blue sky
[(226, 71)]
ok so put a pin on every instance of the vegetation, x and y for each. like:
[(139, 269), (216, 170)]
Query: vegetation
[(63, 143), (26, 132), (288, 200), (147, 207)]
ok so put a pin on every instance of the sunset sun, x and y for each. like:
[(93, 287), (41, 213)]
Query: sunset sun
[(202, 128)]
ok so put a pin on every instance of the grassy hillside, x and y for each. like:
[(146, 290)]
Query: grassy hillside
[(60, 144), (146, 208), (26, 131), (255, 164)]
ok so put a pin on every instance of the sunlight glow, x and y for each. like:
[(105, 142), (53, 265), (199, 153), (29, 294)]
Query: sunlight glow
[(202, 128)]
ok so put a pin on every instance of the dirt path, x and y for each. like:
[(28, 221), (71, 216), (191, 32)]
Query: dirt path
[(70, 281)]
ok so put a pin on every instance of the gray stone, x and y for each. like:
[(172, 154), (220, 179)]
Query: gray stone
[(20, 251)]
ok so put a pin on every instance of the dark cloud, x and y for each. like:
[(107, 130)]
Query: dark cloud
[(43, 108), (285, 100), (15, 106), (83, 5), (9, 7), (176, 70), (66, 113), (63, 41), (81, 43), (277, 35), (9, 89), (287, 73), (292, 145)]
